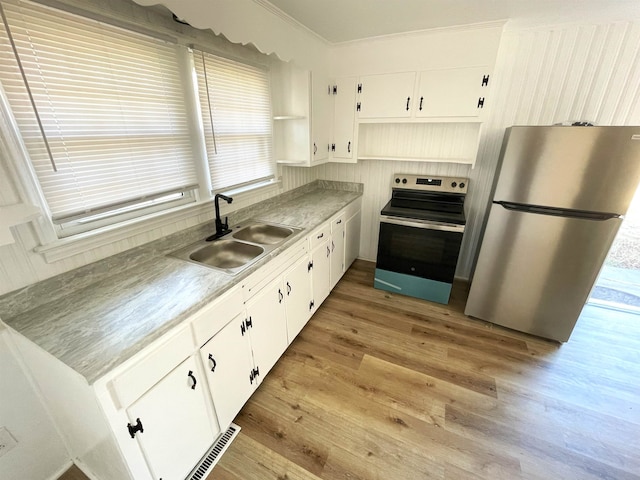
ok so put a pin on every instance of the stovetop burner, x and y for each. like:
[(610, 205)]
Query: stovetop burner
[(438, 199)]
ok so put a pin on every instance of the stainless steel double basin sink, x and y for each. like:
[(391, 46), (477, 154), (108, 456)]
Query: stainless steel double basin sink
[(242, 247)]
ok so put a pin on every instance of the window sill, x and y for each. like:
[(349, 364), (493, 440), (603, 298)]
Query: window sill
[(67, 247), (83, 242)]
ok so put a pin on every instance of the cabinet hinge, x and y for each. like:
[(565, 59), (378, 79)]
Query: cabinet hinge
[(359, 88), (481, 102), (333, 147), (358, 107), (249, 323), (310, 266), (485, 80), (335, 89), (311, 305), (135, 428), (243, 328)]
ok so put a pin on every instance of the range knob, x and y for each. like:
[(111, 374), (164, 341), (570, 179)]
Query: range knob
[(404, 180), (397, 180), (461, 184), (454, 184)]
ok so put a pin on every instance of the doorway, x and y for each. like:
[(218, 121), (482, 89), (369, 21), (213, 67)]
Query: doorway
[(618, 285)]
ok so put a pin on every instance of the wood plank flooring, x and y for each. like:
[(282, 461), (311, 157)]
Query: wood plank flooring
[(381, 386)]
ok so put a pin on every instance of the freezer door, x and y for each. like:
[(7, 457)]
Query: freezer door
[(535, 272), (580, 168)]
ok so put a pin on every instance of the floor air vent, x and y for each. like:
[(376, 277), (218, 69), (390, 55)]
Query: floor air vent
[(213, 455)]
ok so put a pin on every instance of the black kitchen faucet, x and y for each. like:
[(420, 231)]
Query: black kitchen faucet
[(222, 228)]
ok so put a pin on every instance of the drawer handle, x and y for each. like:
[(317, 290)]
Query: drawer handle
[(213, 362), (320, 236), (190, 375), (135, 428)]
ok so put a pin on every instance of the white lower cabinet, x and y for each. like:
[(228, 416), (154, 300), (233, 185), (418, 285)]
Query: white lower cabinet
[(297, 285), (321, 271), (267, 324), (170, 422), (352, 237), (228, 364), (337, 249)]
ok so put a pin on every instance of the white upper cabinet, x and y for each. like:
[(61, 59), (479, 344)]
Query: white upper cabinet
[(386, 95), (456, 92), (344, 120), (320, 117)]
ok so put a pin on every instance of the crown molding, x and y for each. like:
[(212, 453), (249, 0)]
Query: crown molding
[(271, 8)]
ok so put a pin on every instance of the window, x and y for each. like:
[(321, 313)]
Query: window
[(236, 114), (107, 128)]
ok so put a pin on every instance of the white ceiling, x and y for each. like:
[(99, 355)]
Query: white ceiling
[(345, 20)]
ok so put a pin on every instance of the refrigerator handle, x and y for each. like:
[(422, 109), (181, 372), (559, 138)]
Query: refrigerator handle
[(557, 212)]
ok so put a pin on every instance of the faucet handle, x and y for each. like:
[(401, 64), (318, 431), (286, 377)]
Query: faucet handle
[(226, 223)]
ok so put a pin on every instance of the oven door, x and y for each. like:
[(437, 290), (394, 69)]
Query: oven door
[(418, 248)]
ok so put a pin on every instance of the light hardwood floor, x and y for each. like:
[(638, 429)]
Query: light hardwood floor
[(381, 386)]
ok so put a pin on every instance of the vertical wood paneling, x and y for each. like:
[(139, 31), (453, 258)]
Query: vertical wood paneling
[(548, 75)]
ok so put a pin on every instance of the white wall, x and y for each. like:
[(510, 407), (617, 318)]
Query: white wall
[(40, 452)]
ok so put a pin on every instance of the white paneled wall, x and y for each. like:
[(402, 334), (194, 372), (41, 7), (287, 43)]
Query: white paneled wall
[(547, 75), (376, 176)]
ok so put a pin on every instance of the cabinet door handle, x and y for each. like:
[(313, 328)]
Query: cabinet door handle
[(213, 362), (320, 236), (349, 147), (339, 222), (328, 251), (315, 148), (333, 246), (421, 99), (280, 296), (135, 428), (408, 99), (288, 289), (190, 375)]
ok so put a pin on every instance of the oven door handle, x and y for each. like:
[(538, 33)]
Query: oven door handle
[(421, 224)]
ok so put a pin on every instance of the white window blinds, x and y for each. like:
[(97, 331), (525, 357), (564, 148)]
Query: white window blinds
[(236, 113), (111, 104)]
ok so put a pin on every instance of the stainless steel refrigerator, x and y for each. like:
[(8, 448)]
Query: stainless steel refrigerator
[(557, 205)]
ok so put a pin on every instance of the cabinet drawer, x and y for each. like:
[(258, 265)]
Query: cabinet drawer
[(130, 385), (211, 319), (337, 222), (320, 235)]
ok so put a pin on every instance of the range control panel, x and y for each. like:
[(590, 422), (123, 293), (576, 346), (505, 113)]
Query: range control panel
[(430, 184)]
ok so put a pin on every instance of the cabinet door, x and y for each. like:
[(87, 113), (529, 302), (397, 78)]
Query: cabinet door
[(387, 96), (228, 367), (177, 428), (321, 272), (352, 239), (457, 92), (268, 322), (344, 116), (297, 284), (337, 250), (320, 120)]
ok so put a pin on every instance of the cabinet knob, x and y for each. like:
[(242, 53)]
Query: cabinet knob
[(192, 377)]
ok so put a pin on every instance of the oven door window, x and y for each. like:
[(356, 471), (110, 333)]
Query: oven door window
[(420, 252)]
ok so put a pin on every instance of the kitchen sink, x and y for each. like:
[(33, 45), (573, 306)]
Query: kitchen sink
[(232, 254), (226, 254), (264, 233)]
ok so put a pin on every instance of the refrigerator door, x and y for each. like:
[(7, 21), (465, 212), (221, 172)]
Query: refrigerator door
[(579, 168), (535, 272)]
